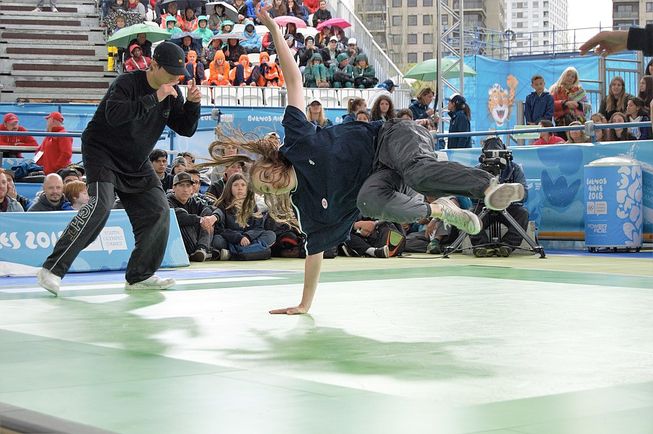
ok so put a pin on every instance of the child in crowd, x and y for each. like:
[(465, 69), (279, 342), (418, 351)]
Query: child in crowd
[(194, 69), (636, 110), (619, 134), (354, 105), (76, 193), (203, 30), (269, 73), (244, 233), (548, 138), (576, 136), (539, 104), (599, 134), (362, 116), (364, 73), (382, 109)]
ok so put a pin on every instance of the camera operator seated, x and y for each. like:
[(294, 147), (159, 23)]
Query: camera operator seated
[(497, 160)]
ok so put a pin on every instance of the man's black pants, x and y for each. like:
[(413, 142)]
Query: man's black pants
[(149, 214)]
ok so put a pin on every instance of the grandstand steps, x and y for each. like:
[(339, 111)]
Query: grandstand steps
[(52, 56)]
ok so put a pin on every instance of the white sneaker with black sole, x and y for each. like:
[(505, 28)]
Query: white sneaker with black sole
[(499, 196), (48, 280), (464, 220), (152, 282)]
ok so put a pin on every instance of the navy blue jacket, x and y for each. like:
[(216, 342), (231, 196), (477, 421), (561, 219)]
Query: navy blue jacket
[(419, 110), (538, 107), (459, 124)]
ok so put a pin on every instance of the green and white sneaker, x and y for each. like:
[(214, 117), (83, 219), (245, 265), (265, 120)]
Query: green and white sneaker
[(464, 220), (152, 282)]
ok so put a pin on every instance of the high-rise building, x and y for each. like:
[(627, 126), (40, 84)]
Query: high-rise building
[(626, 13), (406, 28), (539, 26)]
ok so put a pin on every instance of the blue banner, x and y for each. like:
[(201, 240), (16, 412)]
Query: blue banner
[(28, 239)]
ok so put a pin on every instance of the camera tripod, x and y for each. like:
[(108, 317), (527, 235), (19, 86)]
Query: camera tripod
[(495, 235)]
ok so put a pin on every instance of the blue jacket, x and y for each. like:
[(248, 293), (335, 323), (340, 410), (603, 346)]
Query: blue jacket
[(459, 124), (419, 110), (538, 107), (252, 40), (251, 9)]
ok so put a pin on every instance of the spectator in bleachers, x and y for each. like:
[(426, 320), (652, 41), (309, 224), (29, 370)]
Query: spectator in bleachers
[(13, 193), (569, 99), (171, 26), (354, 105), (226, 27), (616, 99), (135, 6), (189, 158), (146, 46), (241, 7), (646, 89), (171, 10), (203, 30), (342, 37), (279, 8), (341, 72), (619, 134), (197, 222), (241, 73), (291, 29), (636, 112), (322, 14), (216, 18), (137, 62), (188, 21), (405, 114), (10, 123), (269, 73), (57, 151), (197, 187), (322, 38), (252, 5), (120, 24), (576, 136), (548, 138), (387, 85), (218, 73), (315, 73), (118, 5), (383, 109), (420, 107), (209, 52), (7, 203), (189, 43), (216, 188), (76, 193), (649, 68), (178, 166), (330, 52), (599, 135), (159, 160), (364, 73), (315, 114), (39, 5), (362, 116), (539, 104), (352, 51), (460, 115), (194, 69), (298, 10), (70, 174), (307, 52), (233, 52), (252, 41), (52, 198), (244, 231)]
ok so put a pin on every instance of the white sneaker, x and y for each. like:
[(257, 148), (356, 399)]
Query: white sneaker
[(225, 254), (53, 9), (36, 10), (464, 220), (152, 282), (499, 196), (49, 280)]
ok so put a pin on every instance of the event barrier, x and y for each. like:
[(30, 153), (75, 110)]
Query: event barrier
[(28, 239)]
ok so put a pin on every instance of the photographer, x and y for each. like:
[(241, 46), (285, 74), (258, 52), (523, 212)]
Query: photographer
[(497, 160)]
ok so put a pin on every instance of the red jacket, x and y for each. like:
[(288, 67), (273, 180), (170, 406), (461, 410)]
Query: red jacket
[(553, 140), (17, 140), (57, 152)]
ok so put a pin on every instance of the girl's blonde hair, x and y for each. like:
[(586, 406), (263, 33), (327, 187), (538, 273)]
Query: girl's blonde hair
[(321, 117), (271, 167), (616, 103), (561, 80)]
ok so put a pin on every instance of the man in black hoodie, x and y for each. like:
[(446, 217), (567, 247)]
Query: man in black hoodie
[(115, 148)]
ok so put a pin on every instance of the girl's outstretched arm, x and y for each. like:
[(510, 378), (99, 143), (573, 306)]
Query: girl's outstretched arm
[(312, 266), (289, 68)]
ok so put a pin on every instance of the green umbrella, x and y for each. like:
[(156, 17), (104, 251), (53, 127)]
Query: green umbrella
[(428, 70), (123, 36)]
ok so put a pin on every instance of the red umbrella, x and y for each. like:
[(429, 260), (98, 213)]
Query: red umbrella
[(338, 22), (285, 19)]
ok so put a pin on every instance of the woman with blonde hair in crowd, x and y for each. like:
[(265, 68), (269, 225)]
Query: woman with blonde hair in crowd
[(619, 134), (382, 109), (576, 136), (315, 114), (76, 193), (599, 135), (616, 99), (569, 99)]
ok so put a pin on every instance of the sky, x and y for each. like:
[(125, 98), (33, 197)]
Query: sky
[(589, 13)]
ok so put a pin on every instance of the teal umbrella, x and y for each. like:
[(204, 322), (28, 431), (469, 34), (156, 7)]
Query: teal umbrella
[(123, 36), (428, 70)]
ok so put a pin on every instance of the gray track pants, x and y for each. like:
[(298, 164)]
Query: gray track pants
[(405, 164), (148, 213)]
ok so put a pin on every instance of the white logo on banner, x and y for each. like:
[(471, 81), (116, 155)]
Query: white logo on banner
[(110, 239)]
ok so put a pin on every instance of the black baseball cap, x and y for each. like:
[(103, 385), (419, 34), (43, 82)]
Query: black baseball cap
[(182, 177), (170, 57)]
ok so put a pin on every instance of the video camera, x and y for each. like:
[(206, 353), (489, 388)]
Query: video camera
[(494, 157)]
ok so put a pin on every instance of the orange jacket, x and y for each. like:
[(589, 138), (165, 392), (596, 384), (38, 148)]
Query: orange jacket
[(247, 68), (219, 73), (57, 152), (270, 72)]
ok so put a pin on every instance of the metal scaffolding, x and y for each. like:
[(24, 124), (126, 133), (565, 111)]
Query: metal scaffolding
[(445, 49)]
